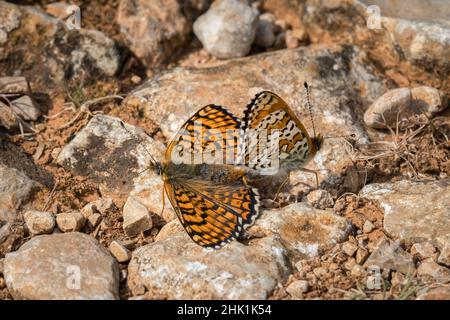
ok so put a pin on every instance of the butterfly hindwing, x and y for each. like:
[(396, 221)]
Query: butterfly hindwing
[(213, 215), (266, 114)]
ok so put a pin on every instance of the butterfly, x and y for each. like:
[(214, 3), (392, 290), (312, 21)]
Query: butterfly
[(211, 194)]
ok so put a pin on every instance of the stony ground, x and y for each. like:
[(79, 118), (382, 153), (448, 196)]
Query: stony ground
[(82, 217)]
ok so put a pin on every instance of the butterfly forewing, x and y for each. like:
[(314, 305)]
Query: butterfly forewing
[(210, 136), (269, 119)]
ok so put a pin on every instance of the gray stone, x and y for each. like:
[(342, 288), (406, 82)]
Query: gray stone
[(227, 29), (306, 232), (265, 31), (320, 199), (136, 218), (349, 248), (439, 293), (119, 251), (297, 288), (153, 29), (5, 231), (118, 159), (81, 54), (70, 221), (26, 108), (424, 250), (14, 85), (389, 255), (177, 268), (15, 190), (415, 216), (430, 271), (62, 266), (39, 222), (444, 256), (8, 118), (368, 226), (399, 104)]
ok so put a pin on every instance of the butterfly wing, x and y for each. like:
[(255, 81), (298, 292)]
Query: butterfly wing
[(213, 215), (268, 113), (209, 136)]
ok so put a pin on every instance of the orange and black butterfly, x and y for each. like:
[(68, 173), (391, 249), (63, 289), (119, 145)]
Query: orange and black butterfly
[(210, 193)]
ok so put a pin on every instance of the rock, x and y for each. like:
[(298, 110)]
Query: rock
[(177, 268), (59, 10), (368, 226), (70, 221), (297, 288), (153, 29), (444, 256), (357, 270), (416, 216), (402, 103), (350, 264), (136, 218), (306, 232), (389, 255), (14, 85), (54, 53), (5, 231), (184, 91), (26, 108), (39, 222), (118, 159), (320, 199), (439, 293), (8, 118), (430, 271), (265, 31), (171, 228), (289, 11), (349, 248), (424, 250), (227, 29), (62, 266), (421, 42), (15, 190), (361, 255), (413, 31), (94, 219), (119, 251)]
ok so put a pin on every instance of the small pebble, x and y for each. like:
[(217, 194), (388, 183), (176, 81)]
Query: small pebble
[(368, 226), (424, 250), (361, 255), (39, 222), (119, 251), (136, 217), (349, 248), (70, 221), (297, 288)]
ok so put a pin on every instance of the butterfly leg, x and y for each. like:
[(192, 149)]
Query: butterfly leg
[(315, 173), (163, 201), (280, 188)]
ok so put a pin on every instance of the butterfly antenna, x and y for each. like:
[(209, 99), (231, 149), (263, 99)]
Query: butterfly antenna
[(309, 107), (353, 136), (138, 139)]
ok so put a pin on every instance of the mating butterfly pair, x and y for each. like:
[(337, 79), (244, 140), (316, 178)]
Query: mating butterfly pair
[(214, 202)]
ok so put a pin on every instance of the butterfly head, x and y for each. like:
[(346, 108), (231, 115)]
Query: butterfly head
[(157, 167), (316, 143)]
